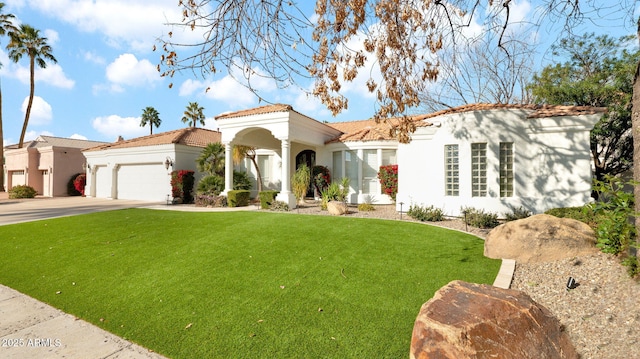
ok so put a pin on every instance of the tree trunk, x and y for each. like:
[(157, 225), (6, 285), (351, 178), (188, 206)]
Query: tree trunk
[(635, 125), (2, 189), (32, 67), (258, 174)]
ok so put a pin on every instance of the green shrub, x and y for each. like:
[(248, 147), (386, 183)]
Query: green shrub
[(238, 198), (241, 180), (366, 207), (335, 192), (71, 187), (22, 191), (479, 218), (583, 214), (517, 213), (300, 182), (267, 198), (211, 185), (615, 231), (279, 206), (426, 214), (210, 200)]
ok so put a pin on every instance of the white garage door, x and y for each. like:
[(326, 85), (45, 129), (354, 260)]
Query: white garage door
[(103, 182), (18, 178), (146, 182)]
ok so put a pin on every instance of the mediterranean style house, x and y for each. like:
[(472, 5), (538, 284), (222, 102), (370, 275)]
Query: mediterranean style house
[(491, 157), (46, 164)]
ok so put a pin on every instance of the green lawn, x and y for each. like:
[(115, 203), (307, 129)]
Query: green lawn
[(242, 284)]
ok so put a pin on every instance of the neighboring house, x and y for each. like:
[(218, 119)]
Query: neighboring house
[(492, 157), (140, 168), (46, 164)]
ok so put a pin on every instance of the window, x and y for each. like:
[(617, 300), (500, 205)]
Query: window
[(370, 168), (451, 174), (478, 169), (506, 169), (389, 157), (351, 169), (336, 174), (264, 162)]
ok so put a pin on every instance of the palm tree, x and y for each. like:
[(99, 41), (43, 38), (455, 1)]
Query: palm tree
[(193, 114), (6, 26), (27, 41), (150, 116), (240, 152), (211, 159)]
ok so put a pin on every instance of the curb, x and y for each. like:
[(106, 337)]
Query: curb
[(505, 274)]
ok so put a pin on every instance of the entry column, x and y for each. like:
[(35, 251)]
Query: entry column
[(285, 194)]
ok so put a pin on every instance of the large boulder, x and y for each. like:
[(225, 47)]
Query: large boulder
[(540, 238), (337, 208), (465, 320)]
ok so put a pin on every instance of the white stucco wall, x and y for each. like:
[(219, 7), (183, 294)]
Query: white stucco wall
[(142, 167), (552, 165)]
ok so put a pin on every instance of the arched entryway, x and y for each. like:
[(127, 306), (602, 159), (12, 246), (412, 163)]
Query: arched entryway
[(307, 157)]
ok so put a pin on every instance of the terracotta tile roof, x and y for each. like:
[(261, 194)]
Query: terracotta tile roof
[(190, 136), (257, 111), (365, 130), (368, 130), (51, 141), (538, 111)]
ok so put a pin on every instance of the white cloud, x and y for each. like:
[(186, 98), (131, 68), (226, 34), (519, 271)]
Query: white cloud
[(52, 75), (113, 126), (190, 86), (52, 36), (127, 70), (78, 137), (134, 23), (32, 135), (232, 93), (94, 58), (41, 113)]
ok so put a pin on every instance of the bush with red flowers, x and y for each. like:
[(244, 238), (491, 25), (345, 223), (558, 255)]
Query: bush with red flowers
[(388, 177), (182, 186)]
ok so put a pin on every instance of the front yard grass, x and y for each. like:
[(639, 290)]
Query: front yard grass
[(242, 284)]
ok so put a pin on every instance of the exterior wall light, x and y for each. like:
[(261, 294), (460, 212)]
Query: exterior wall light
[(168, 162)]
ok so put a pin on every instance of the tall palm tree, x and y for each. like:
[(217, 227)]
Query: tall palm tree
[(240, 152), (27, 41), (150, 116), (6, 26), (193, 114)]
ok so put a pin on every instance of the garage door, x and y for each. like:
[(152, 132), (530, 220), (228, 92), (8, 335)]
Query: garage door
[(18, 178), (102, 182), (146, 182)]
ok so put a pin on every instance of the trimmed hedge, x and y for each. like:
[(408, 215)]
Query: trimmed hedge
[(238, 198), (22, 191), (267, 198)]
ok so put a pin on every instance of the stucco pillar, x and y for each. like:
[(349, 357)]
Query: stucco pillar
[(228, 168), (285, 194)]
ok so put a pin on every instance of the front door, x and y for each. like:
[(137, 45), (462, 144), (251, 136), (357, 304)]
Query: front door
[(307, 157)]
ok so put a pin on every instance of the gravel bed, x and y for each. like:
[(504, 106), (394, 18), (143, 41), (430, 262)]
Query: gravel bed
[(601, 314)]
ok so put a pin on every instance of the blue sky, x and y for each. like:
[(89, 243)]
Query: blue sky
[(106, 73)]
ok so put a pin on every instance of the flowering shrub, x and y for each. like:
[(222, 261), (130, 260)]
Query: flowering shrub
[(321, 179), (388, 177), (79, 183), (182, 185)]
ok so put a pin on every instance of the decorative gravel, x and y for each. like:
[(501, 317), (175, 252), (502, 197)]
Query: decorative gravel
[(601, 314)]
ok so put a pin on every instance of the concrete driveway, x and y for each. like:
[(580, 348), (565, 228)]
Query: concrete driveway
[(25, 210)]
